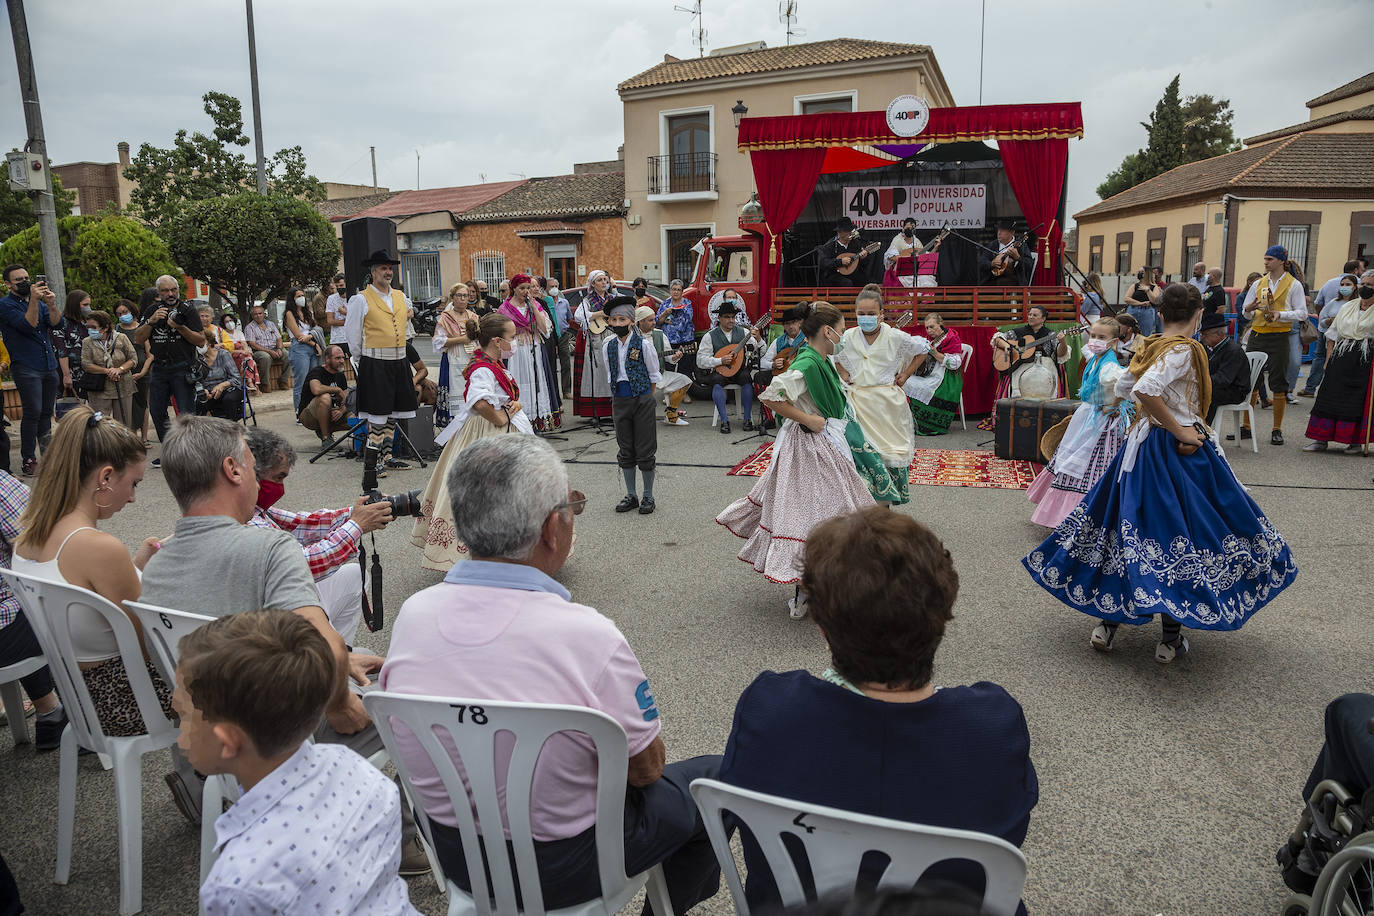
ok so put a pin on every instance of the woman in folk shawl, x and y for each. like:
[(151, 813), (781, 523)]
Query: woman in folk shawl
[(530, 361)]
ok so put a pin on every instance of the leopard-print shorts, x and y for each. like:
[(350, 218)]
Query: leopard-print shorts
[(115, 705)]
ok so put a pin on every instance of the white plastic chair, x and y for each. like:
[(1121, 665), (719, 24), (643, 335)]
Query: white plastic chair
[(967, 351), (163, 629), (48, 607), (12, 700), (1257, 361), (530, 725), (739, 406), (836, 842)]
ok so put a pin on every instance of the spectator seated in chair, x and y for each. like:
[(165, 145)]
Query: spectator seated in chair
[(328, 400), (221, 389), (264, 339), (1226, 363), (881, 588), (344, 856), (499, 626)]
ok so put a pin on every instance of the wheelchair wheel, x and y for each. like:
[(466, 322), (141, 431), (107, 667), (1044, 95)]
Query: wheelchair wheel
[(1296, 905), (1346, 885)]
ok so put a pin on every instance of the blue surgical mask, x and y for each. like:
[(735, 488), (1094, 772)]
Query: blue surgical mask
[(1347, 292), (93, 333), (868, 323), (126, 318)]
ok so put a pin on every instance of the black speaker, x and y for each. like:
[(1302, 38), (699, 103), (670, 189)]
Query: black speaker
[(362, 236)]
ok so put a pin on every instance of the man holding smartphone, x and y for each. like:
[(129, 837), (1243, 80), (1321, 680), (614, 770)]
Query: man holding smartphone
[(33, 364), (174, 330)]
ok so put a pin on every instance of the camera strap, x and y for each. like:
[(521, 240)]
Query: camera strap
[(373, 613)]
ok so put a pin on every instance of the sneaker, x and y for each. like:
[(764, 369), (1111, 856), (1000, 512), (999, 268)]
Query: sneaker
[(47, 735), (395, 464), (1314, 447), (1292, 399), (1354, 449), (678, 421), (1166, 652), (414, 861), (796, 610), (646, 506), (30, 467), (155, 463), (1276, 437), (748, 426), (725, 428), (1104, 634), (186, 800), (627, 504)]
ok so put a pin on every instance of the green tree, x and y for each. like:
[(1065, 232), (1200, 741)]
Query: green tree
[(1207, 128), (16, 208), (251, 247), (112, 257), (199, 167), (1165, 149)]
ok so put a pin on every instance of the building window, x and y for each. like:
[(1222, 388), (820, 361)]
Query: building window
[(1157, 253), (421, 273), (681, 258), (491, 269), (1297, 239), (1192, 253), (1123, 258), (1095, 258), (691, 165), (816, 104)]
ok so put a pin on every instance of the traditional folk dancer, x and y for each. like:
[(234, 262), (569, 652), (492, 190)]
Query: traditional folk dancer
[(592, 398), (455, 337), (1341, 411), (632, 372), (822, 465), (490, 406), (1168, 529), (675, 318), (670, 383), (718, 338), (875, 360), (933, 393), (376, 331), (530, 362), (1095, 433)]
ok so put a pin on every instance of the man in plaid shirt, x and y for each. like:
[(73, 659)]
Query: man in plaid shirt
[(329, 537)]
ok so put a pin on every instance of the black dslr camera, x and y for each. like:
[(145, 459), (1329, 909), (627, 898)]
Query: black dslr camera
[(407, 503)]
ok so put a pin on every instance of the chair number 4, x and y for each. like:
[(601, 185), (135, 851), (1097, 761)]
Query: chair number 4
[(166, 621), (476, 714)]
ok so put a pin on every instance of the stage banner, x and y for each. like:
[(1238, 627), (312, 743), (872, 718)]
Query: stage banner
[(933, 206)]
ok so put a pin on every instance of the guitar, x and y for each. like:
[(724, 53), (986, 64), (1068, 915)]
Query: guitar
[(1003, 262), (1022, 350), (909, 253), (734, 354), (596, 323), (849, 261)]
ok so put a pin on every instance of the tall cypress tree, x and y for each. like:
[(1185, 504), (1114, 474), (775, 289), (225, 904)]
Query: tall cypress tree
[(1165, 149)]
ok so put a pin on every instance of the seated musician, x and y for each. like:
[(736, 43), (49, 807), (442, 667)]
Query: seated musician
[(727, 334), (780, 353), (841, 251), (899, 260), (1050, 349), (1013, 259), (674, 318)]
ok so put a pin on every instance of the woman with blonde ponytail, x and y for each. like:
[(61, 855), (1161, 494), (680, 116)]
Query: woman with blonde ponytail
[(89, 473)]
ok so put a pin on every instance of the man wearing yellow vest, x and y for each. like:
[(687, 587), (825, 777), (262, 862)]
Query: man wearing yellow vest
[(1276, 301), (376, 329)]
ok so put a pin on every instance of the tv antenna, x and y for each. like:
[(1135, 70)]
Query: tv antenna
[(787, 15), (698, 33)]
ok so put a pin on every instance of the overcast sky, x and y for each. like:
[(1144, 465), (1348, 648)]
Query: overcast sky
[(528, 86)]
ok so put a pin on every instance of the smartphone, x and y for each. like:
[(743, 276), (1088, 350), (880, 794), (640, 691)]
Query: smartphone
[(41, 278)]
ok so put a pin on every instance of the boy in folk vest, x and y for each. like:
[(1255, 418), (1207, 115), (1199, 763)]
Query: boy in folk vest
[(632, 371), (1276, 301), (376, 329)]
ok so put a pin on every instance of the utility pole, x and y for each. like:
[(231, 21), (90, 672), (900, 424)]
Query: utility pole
[(417, 170), (374, 167), (982, 33), (257, 105), (43, 206)]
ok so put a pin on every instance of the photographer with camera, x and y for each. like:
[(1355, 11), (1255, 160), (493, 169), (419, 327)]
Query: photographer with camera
[(329, 537), (33, 364), (175, 331)]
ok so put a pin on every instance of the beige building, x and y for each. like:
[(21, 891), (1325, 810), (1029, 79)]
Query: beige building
[(684, 179), (1308, 187)]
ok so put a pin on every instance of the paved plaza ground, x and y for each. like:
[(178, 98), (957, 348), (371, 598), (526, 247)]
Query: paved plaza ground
[(1162, 789)]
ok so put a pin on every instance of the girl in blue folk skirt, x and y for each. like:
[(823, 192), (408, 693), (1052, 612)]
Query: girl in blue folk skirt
[(1168, 529)]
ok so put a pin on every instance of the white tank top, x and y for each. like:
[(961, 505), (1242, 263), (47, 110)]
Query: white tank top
[(92, 637)]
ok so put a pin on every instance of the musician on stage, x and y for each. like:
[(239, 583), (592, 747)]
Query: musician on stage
[(1009, 249), (900, 259), (840, 251), (718, 338), (1052, 351)]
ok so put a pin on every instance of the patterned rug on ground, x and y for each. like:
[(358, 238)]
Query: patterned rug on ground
[(935, 467)]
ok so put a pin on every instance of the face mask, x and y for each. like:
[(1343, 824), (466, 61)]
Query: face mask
[(86, 311), (1367, 292), (908, 232), (868, 323), (300, 302), (639, 290), (621, 330), (93, 333), (228, 325), (269, 491), (126, 318), (23, 288), (1347, 291), (1097, 347), (200, 351)]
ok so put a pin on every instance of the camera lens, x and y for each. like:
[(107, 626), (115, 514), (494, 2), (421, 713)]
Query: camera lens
[(407, 503)]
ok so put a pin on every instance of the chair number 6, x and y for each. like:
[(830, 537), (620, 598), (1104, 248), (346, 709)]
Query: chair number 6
[(166, 622)]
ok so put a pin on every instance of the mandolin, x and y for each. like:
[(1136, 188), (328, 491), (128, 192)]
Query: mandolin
[(734, 354), (1002, 262), (849, 261), (1019, 351)]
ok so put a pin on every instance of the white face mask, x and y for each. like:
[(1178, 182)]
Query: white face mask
[(300, 302), (200, 350), (228, 325)]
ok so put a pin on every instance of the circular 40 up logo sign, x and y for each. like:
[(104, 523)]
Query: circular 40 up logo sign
[(907, 115)]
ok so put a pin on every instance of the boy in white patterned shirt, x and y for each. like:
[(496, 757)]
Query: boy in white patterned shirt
[(317, 828)]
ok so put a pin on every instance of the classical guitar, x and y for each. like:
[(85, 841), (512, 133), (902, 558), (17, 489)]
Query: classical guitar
[(1003, 262), (734, 354), (1004, 360), (596, 322), (849, 261)]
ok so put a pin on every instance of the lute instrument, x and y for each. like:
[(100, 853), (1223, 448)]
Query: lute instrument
[(734, 354), (1002, 261), (1019, 351), (849, 260)]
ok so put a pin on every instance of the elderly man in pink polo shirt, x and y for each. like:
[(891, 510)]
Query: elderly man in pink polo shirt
[(500, 627)]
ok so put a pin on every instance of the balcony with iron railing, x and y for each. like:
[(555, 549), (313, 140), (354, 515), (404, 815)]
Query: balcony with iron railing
[(683, 176)]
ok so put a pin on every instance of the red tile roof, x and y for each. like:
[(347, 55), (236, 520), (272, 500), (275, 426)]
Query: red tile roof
[(1355, 114), (789, 57), (555, 197), (437, 200), (1354, 87)]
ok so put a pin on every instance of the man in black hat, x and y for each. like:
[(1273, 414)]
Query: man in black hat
[(1012, 253), (376, 329), (841, 251), (1226, 363), (717, 339)]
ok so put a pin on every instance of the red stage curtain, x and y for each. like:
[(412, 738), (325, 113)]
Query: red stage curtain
[(785, 179), (1035, 169), (1058, 120)]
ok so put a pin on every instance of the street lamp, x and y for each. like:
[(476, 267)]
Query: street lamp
[(739, 111)]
